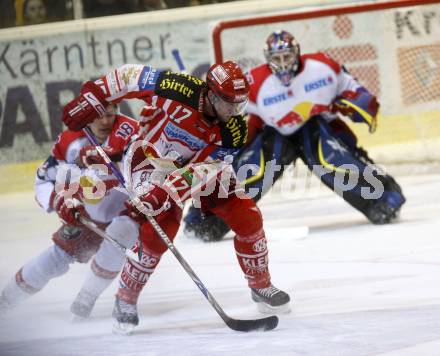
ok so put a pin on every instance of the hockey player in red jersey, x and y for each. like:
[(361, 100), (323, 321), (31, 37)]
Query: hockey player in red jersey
[(191, 122), (74, 242), (294, 111)]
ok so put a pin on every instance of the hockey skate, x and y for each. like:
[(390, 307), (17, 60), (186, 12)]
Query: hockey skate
[(271, 300), (82, 306), (126, 317), (4, 305)]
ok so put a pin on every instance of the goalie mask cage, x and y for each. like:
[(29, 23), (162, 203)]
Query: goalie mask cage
[(392, 48)]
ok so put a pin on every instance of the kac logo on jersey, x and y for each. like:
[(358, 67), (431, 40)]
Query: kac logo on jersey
[(148, 77), (277, 98), (176, 133), (317, 84)]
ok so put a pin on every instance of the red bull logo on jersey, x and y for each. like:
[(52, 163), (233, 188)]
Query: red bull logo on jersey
[(317, 84)]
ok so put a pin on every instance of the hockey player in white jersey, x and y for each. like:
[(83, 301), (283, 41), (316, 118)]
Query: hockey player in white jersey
[(295, 104), (61, 185)]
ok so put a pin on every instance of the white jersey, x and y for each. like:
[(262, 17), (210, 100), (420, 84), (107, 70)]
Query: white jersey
[(312, 90), (101, 207)]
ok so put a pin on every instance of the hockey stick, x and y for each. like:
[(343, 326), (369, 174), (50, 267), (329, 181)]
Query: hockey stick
[(178, 59), (92, 226), (263, 324)]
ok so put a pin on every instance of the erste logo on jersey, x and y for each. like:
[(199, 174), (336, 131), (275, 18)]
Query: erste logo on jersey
[(174, 132), (148, 78), (317, 84), (277, 98)]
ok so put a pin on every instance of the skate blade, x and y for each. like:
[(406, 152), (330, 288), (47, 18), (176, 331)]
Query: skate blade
[(77, 319), (268, 309), (123, 328)]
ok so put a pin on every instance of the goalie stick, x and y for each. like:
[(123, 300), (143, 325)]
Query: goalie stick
[(263, 324)]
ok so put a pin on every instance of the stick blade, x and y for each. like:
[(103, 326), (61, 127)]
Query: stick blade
[(264, 324)]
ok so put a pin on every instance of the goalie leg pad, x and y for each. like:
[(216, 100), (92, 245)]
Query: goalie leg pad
[(349, 172), (207, 228), (269, 153)]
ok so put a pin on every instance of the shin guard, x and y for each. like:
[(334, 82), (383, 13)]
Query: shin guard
[(135, 275), (253, 258)]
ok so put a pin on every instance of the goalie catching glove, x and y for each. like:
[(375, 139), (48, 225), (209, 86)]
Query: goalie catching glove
[(359, 106), (84, 109)]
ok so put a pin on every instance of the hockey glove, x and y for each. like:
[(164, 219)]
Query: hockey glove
[(359, 106), (85, 108), (88, 155), (68, 207), (155, 202)]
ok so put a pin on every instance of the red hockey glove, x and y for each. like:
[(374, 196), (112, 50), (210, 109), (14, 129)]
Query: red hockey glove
[(67, 207), (85, 108), (89, 155), (155, 201)]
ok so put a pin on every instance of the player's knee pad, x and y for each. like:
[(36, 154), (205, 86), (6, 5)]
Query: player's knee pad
[(241, 215), (51, 263), (169, 221), (349, 172), (78, 242), (126, 232), (263, 161)]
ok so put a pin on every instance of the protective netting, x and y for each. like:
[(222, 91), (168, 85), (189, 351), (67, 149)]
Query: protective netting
[(394, 52)]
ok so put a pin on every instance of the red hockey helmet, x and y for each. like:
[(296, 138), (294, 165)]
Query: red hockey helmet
[(230, 88), (282, 53)]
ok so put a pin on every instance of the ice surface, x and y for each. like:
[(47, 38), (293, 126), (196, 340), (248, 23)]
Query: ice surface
[(357, 289)]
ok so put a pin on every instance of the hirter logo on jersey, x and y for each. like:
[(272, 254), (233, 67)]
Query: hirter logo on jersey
[(317, 84)]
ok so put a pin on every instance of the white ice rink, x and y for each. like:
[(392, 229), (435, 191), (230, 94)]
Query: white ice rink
[(357, 289)]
